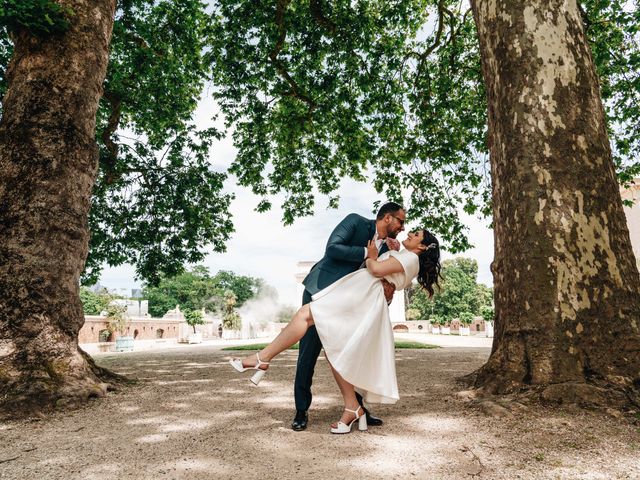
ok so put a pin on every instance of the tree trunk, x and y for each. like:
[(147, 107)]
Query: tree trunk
[(48, 165), (567, 290)]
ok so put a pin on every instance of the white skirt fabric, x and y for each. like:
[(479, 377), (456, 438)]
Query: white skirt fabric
[(352, 320)]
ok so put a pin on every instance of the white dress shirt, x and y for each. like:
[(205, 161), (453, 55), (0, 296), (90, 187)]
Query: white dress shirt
[(378, 241)]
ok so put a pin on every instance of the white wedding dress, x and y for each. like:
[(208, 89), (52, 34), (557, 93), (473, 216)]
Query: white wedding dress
[(352, 319)]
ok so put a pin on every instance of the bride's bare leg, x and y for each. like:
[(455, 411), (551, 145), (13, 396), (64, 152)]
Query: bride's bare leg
[(292, 333), (348, 395)]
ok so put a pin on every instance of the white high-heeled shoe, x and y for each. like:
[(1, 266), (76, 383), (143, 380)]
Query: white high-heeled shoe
[(344, 428), (255, 379)]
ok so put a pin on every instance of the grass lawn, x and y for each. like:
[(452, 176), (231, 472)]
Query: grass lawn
[(260, 346)]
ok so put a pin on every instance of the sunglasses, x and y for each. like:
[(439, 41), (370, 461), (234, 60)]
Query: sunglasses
[(401, 221)]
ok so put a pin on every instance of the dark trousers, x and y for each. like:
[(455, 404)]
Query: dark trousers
[(310, 347)]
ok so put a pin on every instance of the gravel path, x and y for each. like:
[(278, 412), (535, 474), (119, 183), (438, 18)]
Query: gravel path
[(191, 417)]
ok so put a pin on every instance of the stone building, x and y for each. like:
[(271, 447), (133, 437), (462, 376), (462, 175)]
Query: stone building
[(478, 325), (424, 326), (134, 308), (411, 326), (96, 336), (96, 329)]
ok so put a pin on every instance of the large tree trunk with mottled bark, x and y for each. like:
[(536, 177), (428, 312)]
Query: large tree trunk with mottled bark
[(567, 291), (48, 165)]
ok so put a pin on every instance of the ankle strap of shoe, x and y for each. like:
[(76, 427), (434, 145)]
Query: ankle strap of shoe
[(260, 362), (354, 411)]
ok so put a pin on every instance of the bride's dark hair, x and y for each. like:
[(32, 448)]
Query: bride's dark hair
[(429, 263)]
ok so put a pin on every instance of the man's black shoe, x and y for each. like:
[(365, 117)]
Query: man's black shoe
[(300, 421), (371, 420)]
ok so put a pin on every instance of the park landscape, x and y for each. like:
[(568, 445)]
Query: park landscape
[(522, 112)]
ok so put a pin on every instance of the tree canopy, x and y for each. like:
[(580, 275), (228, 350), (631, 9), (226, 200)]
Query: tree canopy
[(158, 202), (93, 303), (197, 289), (460, 292), (194, 318), (312, 92), (319, 91)]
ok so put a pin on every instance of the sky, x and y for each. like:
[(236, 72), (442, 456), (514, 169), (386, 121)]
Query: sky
[(263, 247)]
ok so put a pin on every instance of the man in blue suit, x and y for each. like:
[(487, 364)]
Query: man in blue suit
[(346, 252)]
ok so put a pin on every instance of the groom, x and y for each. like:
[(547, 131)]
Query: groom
[(345, 253)]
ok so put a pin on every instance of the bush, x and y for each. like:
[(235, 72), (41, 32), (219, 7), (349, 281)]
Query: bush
[(193, 318), (117, 318), (93, 303), (487, 313), (412, 314), (466, 318), (230, 319)]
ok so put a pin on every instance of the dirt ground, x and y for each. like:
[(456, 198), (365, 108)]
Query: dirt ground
[(192, 417)]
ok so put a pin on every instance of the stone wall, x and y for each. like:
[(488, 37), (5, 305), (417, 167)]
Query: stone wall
[(141, 328), (424, 326), (476, 326), (411, 326)]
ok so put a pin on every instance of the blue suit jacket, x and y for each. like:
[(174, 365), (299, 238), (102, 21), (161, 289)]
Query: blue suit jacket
[(344, 252)]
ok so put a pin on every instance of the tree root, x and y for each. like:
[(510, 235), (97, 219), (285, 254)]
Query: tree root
[(592, 395), (106, 375), (33, 393)]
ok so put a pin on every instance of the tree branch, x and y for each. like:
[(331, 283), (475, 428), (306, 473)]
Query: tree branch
[(436, 42), (585, 17), (112, 126), (273, 56), (318, 16)]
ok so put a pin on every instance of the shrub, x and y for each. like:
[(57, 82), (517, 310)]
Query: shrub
[(487, 313), (193, 318), (466, 318), (117, 318), (230, 319)]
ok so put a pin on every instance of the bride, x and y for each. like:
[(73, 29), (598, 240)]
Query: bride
[(352, 319)]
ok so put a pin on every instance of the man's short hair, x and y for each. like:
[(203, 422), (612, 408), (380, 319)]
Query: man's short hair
[(389, 207)]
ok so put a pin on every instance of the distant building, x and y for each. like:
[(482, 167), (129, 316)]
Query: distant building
[(425, 326), (96, 331), (96, 335), (633, 214), (303, 271), (98, 288), (135, 308)]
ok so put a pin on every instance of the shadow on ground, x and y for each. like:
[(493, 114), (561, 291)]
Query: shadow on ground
[(192, 417)]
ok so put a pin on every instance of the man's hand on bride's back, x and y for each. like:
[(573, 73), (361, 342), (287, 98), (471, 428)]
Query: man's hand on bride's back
[(389, 290)]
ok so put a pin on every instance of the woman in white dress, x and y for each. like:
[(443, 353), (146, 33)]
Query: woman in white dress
[(352, 319)]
